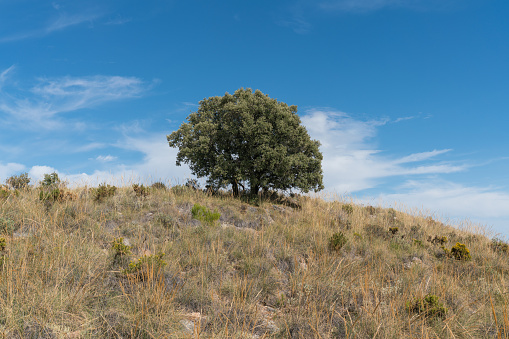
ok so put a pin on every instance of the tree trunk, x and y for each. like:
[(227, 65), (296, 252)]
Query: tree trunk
[(255, 189), (235, 189)]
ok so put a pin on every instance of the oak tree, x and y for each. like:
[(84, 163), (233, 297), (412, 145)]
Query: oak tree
[(249, 139)]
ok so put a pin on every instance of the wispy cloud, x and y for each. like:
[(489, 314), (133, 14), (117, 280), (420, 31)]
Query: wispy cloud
[(105, 158), (63, 21), (39, 105), (4, 74), (372, 5), (352, 164)]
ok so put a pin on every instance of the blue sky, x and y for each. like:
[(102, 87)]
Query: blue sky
[(408, 97)]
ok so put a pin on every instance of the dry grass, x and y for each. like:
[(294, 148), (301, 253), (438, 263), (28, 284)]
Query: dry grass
[(265, 270)]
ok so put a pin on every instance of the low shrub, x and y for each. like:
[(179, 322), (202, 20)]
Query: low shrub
[(140, 190), (147, 266), (460, 252), (120, 248), (429, 306), (50, 180), (499, 246), (347, 208), (393, 230), (103, 191), (18, 181), (6, 225), (337, 241), (203, 214), (158, 186)]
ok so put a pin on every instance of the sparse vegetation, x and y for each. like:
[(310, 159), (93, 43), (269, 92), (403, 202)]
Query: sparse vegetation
[(20, 181), (103, 191), (268, 268), (205, 215)]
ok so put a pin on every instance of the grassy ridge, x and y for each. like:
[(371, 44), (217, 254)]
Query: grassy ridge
[(135, 263)]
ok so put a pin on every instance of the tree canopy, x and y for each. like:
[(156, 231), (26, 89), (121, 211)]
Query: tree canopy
[(249, 139)]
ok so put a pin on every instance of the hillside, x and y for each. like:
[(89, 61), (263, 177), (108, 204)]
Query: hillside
[(135, 263)]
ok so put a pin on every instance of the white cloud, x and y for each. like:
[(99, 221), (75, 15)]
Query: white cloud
[(105, 158), (53, 96), (36, 173), (10, 169), (351, 164), (61, 22), (3, 75)]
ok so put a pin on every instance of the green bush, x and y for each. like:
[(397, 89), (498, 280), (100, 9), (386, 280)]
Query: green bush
[(18, 181), (165, 220), (460, 252), (393, 230), (140, 190), (429, 306), (104, 191), (3, 244), (347, 208), (146, 266), (499, 245), (203, 214), (50, 195), (50, 180), (159, 186), (6, 225), (337, 241), (120, 248)]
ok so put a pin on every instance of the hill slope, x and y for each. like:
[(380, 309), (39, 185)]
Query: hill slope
[(137, 264)]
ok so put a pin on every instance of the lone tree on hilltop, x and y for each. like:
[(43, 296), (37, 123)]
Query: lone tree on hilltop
[(249, 139)]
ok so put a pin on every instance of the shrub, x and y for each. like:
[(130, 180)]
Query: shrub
[(203, 214), (50, 180), (146, 266), (6, 225), (499, 245), (337, 241), (393, 230), (438, 240), (460, 252), (347, 208), (104, 191), (418, 243), (140, 190), (429, 306), (3, 244), (49, 195), (159, 186), (193, 184), (4, 192), (120, 248), (165, 220), (18, 181)]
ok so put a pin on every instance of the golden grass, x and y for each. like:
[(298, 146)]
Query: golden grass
[(264, 270)]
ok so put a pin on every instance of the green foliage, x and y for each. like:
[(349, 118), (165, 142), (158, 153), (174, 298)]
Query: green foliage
[(159, 186), (120, 248), (249, 139), (499, 245), (438, 240), (460, 252), (4, 192), (203, 214), (357, 235), (103, 191), (347, 208), (50, 180), (393, 230), (18, 181), (418, 243), (429, 306), (3, 244), (49, 194), (165, 220), (337, 241), (6, 225), (146, 266), (140, 190)]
